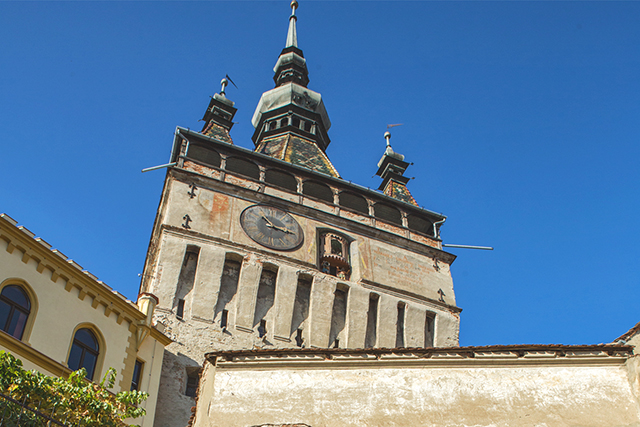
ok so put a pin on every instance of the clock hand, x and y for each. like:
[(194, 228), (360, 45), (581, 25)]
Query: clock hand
[(284, 230), (275, 227), (269, 223)]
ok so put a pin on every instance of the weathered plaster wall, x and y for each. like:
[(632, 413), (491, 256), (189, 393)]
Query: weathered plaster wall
[(500, 393), (217, 213), (395, 272)]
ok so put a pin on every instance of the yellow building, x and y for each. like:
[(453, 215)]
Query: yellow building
[(57, 317)]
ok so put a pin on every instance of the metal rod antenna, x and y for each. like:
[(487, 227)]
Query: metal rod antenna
[(159, 167), (486, 248)]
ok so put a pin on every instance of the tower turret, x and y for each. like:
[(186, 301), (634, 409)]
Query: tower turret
[(219, 115), (391, 168), (291, 121)]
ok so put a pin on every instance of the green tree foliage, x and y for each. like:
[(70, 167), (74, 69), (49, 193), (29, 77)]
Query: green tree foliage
[(73, 401)]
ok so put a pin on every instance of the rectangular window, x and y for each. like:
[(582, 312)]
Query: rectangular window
[(429, 329), (180, 309), (228, 289), (266, 296), (223, 318), (262, 329), (372, 322), (187, 277), (300, 307), (400, 325), (137, 375), (193, 378), (338, 316)]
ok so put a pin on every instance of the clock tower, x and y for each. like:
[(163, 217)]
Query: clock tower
[(270, 248)]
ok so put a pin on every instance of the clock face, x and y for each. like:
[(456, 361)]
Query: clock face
[(271, 227)]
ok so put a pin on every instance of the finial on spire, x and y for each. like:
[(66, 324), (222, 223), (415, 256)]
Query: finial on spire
[(387, 136), (292, 35), (224, 82)]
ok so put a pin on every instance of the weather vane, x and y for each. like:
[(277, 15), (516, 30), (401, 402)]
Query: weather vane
[(224, 82)]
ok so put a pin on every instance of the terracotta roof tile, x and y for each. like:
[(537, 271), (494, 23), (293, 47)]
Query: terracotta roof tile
[(631, 332), (608, 348)]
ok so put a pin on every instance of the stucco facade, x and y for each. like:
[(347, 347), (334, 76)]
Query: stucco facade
[(63, 298), (483, 386)]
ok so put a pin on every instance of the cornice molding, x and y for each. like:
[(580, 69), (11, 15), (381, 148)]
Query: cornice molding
[(20, 238)]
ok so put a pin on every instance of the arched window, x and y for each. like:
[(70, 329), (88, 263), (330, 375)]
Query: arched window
[(422, 225), (355, 202), (84, 352), (205, 155), (317, 190), (281, 179), (14, 310), (243, 167), (387, 213)]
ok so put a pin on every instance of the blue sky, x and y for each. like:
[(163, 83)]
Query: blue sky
[(521, 119)]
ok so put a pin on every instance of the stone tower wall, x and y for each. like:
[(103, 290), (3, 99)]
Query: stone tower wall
[(220, 290)]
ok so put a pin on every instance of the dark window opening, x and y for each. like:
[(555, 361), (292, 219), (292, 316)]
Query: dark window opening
[(295, 122), (400, 325), (193, 379), (14, 310), (228, 288), (317, 190), (355, 202), (307, 126), (223, 319), (387, 213), (137, 375), (84, 352), (420, 224), (204, 155), (429, 330), (281, 179), (180, 309), (187, 278), (372, 322), (243, 167), (273, 125), (262, 329), (338, 316), (266, 295), (301, 304), (336, 246), (284, 122), (299, 339)]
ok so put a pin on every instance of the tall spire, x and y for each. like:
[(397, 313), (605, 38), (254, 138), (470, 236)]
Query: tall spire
[(290, 120), (292, 35)]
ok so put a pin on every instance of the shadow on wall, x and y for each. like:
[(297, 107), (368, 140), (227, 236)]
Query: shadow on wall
[(177, 391)]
